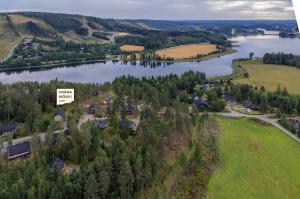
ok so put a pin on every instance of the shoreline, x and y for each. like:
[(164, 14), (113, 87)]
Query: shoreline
[(49, 66)]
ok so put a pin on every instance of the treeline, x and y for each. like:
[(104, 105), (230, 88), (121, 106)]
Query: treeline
[(279, 102), (282, 59), (101, 35), (154, 40)]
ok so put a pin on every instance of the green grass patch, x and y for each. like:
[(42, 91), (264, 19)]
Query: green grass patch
[(258, 162)]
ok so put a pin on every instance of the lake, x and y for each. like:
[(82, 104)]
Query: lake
[(103, 72)]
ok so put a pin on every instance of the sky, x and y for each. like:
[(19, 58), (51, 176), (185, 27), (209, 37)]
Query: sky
[(160, 9)]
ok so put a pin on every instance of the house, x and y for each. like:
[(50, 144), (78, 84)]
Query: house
[(247, 104), (294, 123), (18, 150), (229, 98), (95, 92), (92, 109), (7, 129), (59, 115), (200, 104), (100, 125), (56, 164), (127, 125)]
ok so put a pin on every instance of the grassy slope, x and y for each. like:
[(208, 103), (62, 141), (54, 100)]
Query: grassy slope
[(270, 76), (258, 162), (7, 38)]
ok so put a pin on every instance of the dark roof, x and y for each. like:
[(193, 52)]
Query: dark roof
[(100, 124), (199, 103), (8, 127), (57, 164), (229, 97), (127, 125), (59, 112), (14, 150)]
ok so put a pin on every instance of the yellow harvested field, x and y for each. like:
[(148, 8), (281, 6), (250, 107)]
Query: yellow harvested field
[(270, 76), (130, 48), (187, 51)]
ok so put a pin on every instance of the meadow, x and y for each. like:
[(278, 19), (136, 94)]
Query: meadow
[(132, 48), (270, 76), (187, 51), (257, 162), (7, 38)]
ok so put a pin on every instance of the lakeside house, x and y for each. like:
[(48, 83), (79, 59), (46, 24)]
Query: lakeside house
[(59, 115), (57, 165), (7, 129), (18, 150)]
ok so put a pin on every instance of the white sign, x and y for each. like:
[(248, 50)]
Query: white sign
[(297, 11), (64, 96)]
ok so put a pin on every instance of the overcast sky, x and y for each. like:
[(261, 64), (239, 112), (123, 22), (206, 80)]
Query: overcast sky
[(160, 9)]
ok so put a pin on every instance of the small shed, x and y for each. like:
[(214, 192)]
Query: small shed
[(59, 115), (18, 150), (7, 129)]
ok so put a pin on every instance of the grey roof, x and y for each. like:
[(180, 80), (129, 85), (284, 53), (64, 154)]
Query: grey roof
[(59, 112), (8, 127), (18, 149)]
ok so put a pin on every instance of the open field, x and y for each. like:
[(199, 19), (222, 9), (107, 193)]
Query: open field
[(131, 48), (257, 162), (187, 51), (270, 76), (7, 39)]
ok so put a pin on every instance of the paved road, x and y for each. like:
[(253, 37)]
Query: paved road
[(264, 118)]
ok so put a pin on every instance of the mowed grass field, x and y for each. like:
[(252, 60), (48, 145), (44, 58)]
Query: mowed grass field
[(132, 48), (187, 51), (257, 162), (7, 38), (270, 76)]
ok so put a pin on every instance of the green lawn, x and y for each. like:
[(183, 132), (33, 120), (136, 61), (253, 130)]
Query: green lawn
[(257, 162)]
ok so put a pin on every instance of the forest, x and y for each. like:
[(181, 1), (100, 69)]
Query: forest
[(282, 59)]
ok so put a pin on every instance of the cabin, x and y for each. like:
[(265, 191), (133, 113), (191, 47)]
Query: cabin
[(18, 150), (229, 98), (100, 125), (92, 109), (247, 104), (127, 125), (59, 115), (200, 104), (294, 124), (57, 165), (7, 129), (95, 92)]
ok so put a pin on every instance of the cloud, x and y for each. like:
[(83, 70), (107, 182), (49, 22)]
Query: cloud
[(161, 9)]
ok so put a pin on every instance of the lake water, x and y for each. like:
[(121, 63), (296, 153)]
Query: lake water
[(102, 72)]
